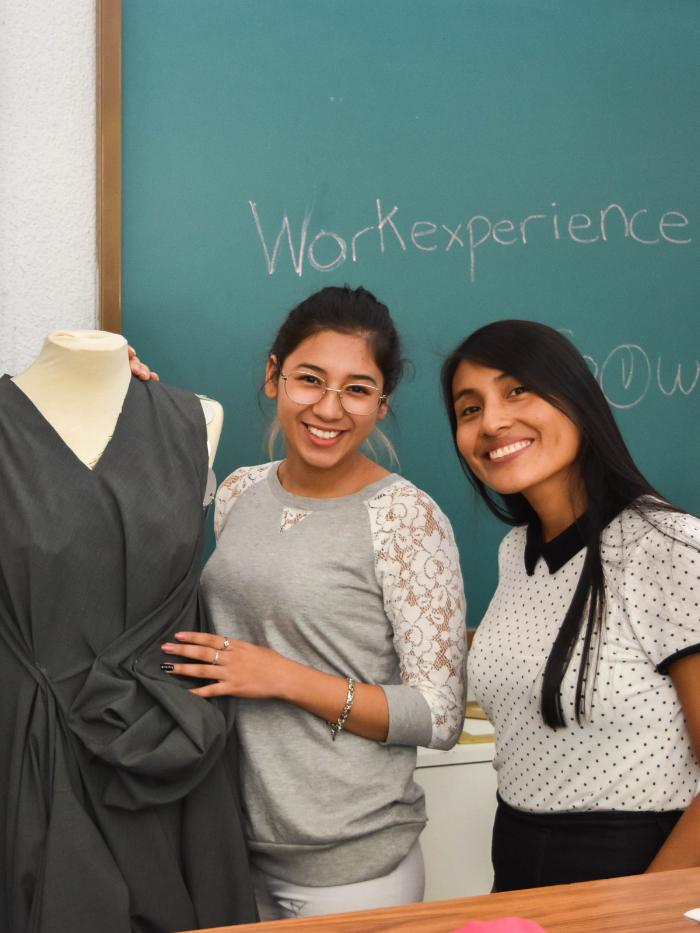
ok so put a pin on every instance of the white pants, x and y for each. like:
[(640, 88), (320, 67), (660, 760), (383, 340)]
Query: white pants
[(281, 900)]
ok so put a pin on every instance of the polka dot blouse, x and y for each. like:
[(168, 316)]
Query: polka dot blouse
[(632, 751)]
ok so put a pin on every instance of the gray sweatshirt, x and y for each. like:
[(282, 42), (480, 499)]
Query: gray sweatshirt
[(366, 586)]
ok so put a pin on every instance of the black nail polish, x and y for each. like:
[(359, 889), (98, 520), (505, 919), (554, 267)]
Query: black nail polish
[(167, 667)]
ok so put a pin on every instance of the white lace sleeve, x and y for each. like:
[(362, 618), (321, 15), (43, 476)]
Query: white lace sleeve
[(230, 490), (417, 566)]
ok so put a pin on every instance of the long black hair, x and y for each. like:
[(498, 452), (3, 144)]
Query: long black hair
[(550, 365)]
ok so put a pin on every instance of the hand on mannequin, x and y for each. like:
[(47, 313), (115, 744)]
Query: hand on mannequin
[(140, 369), (245, 670), (213, 411)]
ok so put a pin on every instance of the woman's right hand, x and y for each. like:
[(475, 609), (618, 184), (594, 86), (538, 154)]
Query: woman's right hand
[(140, 369), (254, 671)]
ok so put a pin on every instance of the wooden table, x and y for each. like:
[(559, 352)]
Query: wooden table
[(638, 904)]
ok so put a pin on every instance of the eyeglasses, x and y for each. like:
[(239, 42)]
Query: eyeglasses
[(308, 389)]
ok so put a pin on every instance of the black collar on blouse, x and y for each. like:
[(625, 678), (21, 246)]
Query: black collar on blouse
[(559, 550)]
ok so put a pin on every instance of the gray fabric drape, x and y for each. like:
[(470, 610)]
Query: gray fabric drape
[(119, 806)]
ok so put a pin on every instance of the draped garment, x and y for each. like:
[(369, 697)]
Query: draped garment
[(119, 808)]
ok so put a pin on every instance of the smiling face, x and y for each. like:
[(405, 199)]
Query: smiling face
[(323, 435), (513, 439)]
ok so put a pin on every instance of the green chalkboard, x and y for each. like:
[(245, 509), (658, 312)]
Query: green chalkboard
[(504, 158)]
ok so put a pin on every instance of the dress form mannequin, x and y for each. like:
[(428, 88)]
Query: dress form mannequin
[(117, 781), (79, 382)]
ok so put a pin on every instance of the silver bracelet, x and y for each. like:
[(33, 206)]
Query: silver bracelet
[(337, 726)]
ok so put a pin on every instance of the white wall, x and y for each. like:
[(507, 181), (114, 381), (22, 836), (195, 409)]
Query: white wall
[(48, 262)]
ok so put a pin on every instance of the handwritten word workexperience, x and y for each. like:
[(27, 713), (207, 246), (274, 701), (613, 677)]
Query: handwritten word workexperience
[(429, 237)]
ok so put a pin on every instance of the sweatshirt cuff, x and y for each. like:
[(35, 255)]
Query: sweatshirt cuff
[(410, 719)]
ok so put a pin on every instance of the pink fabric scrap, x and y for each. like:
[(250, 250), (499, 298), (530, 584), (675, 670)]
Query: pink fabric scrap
[(504, 925)]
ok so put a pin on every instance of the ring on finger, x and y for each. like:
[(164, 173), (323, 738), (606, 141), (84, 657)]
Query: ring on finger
[(216, 658), (225, 644)]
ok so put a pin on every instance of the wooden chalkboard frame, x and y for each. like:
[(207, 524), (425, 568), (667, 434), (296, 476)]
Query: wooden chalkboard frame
[(109, 163)]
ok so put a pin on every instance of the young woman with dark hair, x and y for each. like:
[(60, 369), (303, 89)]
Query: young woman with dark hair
[(587, 661), (336, 593)]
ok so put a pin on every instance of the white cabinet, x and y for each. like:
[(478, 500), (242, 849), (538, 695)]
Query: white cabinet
[(460, 792)]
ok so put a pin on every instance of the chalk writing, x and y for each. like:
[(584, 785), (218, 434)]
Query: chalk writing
[(453, 236), (677, 384), (298, 266), (337, 261), (427, 236), (635, 372), (626, 375)]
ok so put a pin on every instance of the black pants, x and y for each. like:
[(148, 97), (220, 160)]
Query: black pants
[(532, 850)]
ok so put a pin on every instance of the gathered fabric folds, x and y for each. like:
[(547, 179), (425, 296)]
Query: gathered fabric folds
[(119, 806)]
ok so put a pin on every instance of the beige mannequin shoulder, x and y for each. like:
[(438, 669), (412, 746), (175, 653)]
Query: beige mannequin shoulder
[(79, 382)]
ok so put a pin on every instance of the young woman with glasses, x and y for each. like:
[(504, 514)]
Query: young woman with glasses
[(587, 661), (336, 593)]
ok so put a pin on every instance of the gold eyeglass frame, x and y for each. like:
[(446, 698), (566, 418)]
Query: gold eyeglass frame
[(382, 398)]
